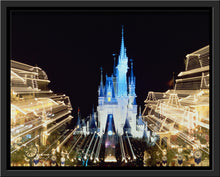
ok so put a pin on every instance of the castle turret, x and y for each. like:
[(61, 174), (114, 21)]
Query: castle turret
[(114, 97), (140, 132), (132, 80), (114, 75), (109, 91), (114, 67), (101, 93), (140, 121), (101, 90), (131, 86), (122, 69)]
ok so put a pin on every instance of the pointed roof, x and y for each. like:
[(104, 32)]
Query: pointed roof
[(146, 128), (140, 121), (123, 49), (132, 77), (144, 134), (132, 74), (109, 86), (114, 67)]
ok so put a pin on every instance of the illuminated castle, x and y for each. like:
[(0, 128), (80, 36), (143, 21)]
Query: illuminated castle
[(117, 98)]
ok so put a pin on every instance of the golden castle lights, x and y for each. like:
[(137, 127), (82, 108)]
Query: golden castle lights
[(36, 112), (182, 113)]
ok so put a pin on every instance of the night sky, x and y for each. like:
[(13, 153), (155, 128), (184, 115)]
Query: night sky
[(72, 47)]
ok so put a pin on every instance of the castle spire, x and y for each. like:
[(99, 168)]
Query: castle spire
[(101, 94), (132, 73), (132, 83), (122, 69), (123, 49), (101, 75), (114, 69)]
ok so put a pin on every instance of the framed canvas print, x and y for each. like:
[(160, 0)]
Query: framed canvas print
[(96, 88)]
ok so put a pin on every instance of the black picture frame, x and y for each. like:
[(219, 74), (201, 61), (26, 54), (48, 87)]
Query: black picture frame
[(5, 87)]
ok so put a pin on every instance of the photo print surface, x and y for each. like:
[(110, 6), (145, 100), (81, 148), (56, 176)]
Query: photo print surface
[(116, 89)]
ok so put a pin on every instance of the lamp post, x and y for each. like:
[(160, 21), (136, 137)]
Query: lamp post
[(157, 159), (198, 157), (62, 161), (164, 157), (180, 157), (53, 157)]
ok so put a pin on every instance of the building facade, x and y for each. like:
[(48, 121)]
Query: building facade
[(182, 113), (117, 96), (36, 112)]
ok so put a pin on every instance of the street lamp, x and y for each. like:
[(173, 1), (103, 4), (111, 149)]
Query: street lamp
[(180, 150), (164, 152), (62, 161)]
